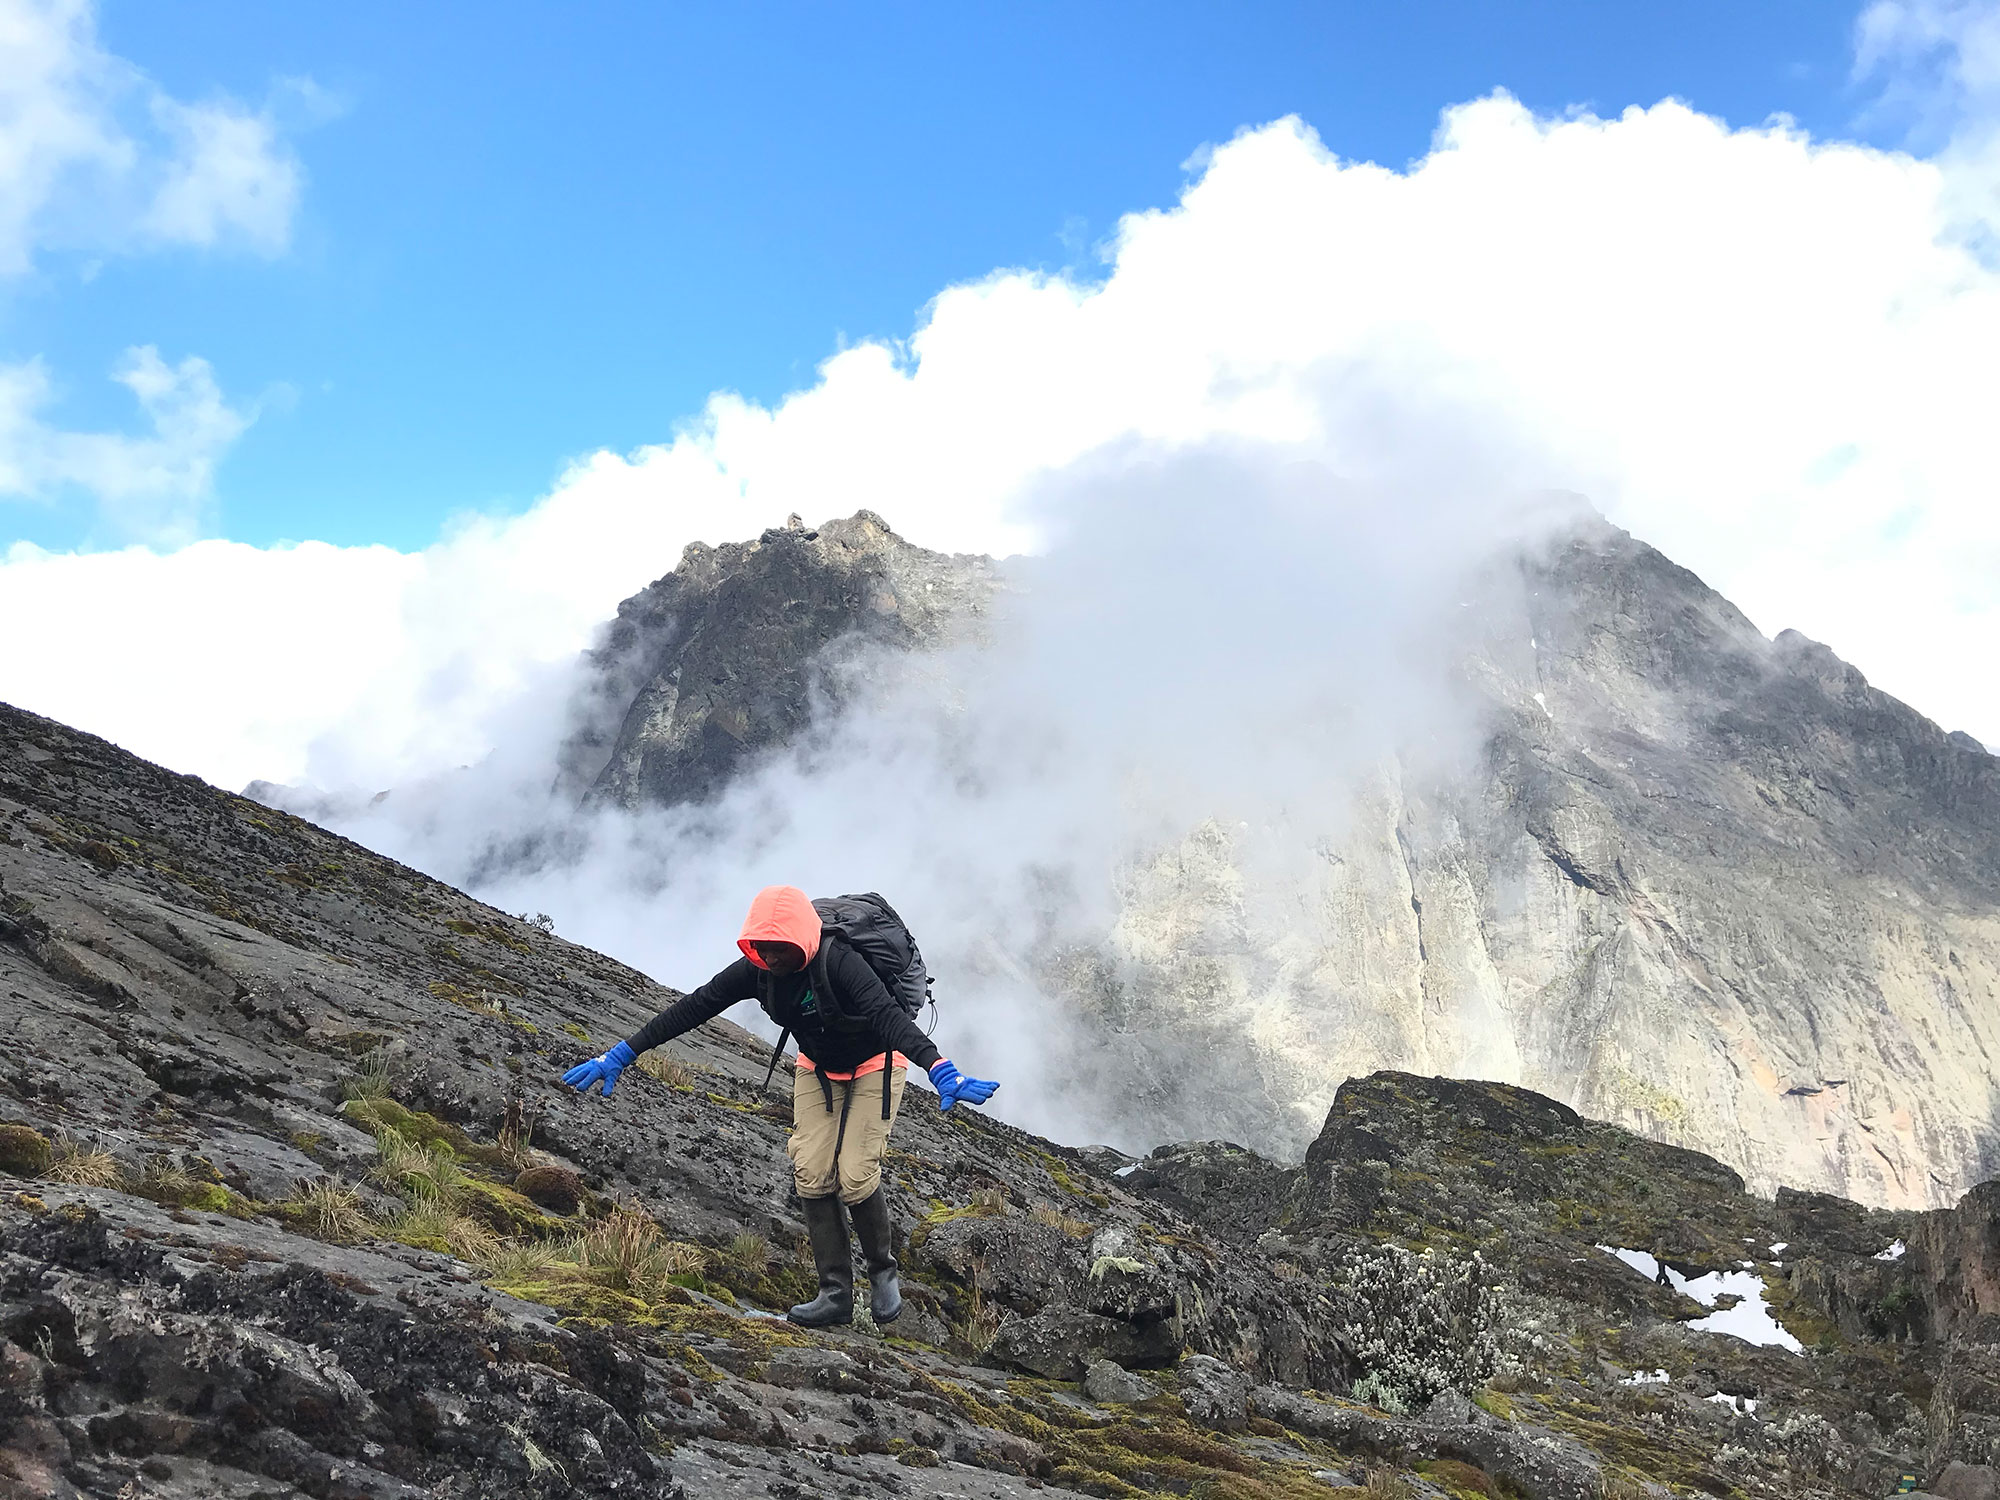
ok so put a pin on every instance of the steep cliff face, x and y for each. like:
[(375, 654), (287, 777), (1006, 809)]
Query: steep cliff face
[(1709, 885)]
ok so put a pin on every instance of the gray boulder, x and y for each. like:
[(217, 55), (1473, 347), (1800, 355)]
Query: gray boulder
[(1214, 1394), (1110, 1382), (1060, 1343), (1019, 1263), (1967, 1482)]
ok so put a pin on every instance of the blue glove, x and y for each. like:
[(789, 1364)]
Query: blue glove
[(953, 1085), (607, 1067)]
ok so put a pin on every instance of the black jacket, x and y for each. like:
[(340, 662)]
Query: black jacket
[(881, 1024)]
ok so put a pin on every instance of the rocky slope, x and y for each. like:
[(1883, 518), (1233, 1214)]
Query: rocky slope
[(1709, 885), (291, 1203)]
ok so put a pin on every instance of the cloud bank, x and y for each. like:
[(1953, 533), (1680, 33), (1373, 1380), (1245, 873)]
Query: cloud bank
[(1766, 354)]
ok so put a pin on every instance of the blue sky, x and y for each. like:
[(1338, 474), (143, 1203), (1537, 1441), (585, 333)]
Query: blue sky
[(528, 232)]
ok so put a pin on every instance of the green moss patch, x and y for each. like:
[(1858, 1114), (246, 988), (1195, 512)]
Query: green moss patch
[(377, 1115), (24, 1151)]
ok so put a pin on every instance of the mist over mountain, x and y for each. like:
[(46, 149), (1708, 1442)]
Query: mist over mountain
[(1190, 844)]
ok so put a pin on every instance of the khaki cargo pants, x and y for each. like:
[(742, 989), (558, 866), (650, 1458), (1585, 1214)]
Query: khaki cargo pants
[(841, 1151)]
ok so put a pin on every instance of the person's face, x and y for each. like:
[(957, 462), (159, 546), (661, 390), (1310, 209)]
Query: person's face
[(780, 958)]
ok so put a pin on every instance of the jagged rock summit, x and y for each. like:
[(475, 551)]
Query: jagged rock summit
[(291, 1203), (1709, 885), (723, 656)]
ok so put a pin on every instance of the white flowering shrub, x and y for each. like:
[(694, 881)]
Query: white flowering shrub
[(1378, 1392), (1807, 1441), (1419, 1324)]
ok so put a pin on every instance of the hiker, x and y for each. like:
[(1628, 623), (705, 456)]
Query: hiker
[(816, 984)]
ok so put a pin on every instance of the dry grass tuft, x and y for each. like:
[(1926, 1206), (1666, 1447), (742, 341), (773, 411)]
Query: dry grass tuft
[(1382, 1484), (329, 1209), (421, 1172), (1075, 1228), (432, 1223), (513, 1260), (982, 1322), (991, 1201), (83, 1166), (164, 1182), (668, 1069), (626, 1251)]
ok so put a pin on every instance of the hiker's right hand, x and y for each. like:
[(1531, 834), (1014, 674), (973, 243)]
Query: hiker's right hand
[(606, 1066)]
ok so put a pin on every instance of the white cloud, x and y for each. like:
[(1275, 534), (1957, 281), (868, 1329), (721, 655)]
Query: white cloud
[(95, 156), (229, 176), (1937, 66), (1764, 353), (152, 487)]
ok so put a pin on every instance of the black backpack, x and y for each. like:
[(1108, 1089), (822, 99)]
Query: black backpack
[(869, 925)]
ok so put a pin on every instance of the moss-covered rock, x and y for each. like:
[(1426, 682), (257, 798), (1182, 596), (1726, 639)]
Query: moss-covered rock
[(377, 1115), (24, 1151), (507, 1212)]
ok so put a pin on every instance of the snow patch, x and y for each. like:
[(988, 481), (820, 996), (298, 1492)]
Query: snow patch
[(1646, 1377), (1894, 1252), (1747, 1318), (1743, 1406)]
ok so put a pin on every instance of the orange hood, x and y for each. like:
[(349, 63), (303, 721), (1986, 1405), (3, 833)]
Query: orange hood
[(780, 914)]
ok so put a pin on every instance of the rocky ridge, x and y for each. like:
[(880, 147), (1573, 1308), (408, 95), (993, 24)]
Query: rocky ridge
[(291, 1203), (1709, 885)]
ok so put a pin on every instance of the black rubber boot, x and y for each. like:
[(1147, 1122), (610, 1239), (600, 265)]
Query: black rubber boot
[(834, 1256), (871, 1227)]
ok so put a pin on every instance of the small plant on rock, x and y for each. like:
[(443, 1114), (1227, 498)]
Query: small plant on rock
[(516, 1134), (512, 1260), (1056, 1219), (372, 1078), (416, 1169), (432, 1223)]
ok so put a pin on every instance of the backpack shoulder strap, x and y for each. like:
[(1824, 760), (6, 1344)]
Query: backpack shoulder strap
[(777, 1054)]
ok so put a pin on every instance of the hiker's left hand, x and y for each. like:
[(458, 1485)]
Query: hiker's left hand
[(954, 1087)]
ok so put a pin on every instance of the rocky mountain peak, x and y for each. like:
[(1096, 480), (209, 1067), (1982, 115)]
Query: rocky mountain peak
[(724, 656), (1712, 886)]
